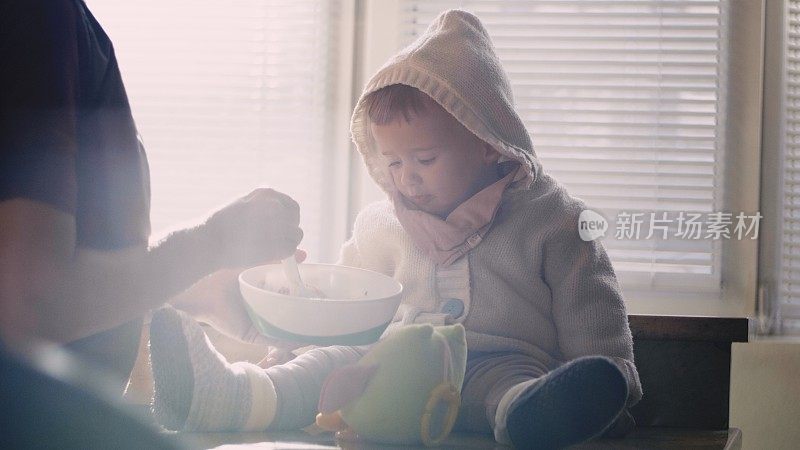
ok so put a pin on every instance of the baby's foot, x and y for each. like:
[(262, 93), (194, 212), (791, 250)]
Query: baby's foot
[(575, 403), (196, 388)]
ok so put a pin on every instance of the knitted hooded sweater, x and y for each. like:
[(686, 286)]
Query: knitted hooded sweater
[(531, 285)]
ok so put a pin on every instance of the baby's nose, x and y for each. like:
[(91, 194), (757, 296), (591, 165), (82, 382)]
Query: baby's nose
[(410, 177)]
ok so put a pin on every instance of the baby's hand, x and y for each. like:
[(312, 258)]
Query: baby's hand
[(262, 226)]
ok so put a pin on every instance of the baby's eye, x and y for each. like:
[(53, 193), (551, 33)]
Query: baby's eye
[(394, 164), (426, 162)]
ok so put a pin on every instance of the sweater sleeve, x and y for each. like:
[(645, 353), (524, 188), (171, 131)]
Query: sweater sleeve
[(372, 244), (587, 305), (348, 255)]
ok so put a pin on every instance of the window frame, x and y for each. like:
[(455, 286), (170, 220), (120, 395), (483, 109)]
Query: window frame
[(337, 200), (769, 302)]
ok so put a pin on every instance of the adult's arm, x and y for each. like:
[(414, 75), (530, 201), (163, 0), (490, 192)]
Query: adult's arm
[(50, 288)]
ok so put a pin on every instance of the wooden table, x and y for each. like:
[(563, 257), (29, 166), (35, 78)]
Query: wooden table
[(640, 438)]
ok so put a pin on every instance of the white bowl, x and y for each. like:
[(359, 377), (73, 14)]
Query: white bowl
[(358, 307)]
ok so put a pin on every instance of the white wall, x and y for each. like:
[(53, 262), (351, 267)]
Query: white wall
[(765, 394)]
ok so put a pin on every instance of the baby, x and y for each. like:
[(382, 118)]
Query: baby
[(478, 234)]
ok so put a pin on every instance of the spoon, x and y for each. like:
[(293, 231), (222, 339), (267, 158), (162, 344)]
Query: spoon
[(292, 273)]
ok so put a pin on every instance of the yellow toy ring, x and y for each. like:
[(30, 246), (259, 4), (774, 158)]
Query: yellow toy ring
[(446, 393)]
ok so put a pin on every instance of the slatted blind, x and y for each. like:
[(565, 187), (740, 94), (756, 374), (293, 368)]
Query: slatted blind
[(623, 102), (790, 254), (228, 96)]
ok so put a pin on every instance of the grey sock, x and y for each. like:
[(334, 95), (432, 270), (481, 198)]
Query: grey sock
[(196, 389)]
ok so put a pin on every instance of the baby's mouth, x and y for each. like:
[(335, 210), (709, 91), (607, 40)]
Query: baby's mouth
[(421, 200)]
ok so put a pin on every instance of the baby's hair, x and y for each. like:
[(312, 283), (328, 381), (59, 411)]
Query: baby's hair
[(384, 105)]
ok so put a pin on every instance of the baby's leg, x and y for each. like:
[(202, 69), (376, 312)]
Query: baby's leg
[(197, 389), (514, 397), (298, 383), (574, 403), (489, 376)]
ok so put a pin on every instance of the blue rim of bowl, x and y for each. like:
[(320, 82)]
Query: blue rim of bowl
[(361, 338)]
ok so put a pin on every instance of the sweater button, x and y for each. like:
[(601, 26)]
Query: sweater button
[(453, 307)]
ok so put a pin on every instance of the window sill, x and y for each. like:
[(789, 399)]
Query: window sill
[(681, 304), (776, 339), (688, 328)]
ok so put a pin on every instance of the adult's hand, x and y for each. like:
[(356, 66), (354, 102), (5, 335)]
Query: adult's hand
[(216, 300), (262, 226)]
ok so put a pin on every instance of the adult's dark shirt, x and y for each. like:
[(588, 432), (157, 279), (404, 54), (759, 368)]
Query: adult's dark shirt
[(67, 138)]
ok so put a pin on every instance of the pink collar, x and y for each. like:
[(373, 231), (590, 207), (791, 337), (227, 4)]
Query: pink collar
[(448, 240)]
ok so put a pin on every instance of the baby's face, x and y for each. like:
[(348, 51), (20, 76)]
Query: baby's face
[(435, 162)]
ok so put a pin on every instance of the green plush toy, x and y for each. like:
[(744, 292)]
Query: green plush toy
[(405, 390)]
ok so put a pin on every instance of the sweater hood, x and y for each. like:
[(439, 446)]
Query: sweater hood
[(454, 63)]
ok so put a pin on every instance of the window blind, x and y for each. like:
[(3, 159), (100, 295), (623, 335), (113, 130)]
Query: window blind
[(789, 306), (623, 100), (228, 96)]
